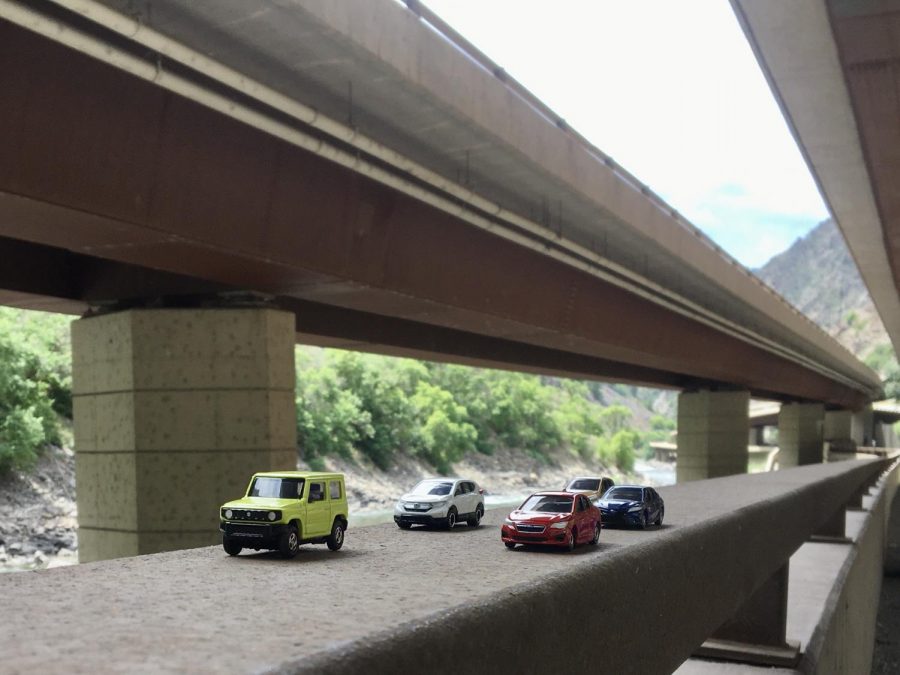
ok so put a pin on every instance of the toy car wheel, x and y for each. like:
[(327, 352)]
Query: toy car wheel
[(231, 546), (451, 518), (659, 518), (570, 545), (596, 536), (475, 520), (404, 526), (289, 544), (509, 544), (336, 538), (643, 522)]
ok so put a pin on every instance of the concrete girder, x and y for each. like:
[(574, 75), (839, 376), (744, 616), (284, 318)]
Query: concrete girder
[(319, 232)]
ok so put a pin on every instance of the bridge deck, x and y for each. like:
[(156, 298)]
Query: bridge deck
[(416, 599)]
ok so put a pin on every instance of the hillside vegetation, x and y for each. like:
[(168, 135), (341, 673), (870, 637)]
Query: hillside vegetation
[(819, 277)]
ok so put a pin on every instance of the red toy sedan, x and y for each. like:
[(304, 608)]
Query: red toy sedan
[(553, 519)]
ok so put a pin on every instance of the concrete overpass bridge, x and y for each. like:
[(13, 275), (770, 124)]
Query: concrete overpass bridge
[(209, 184)]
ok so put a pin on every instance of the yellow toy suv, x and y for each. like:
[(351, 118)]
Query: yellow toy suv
[(283, 509)]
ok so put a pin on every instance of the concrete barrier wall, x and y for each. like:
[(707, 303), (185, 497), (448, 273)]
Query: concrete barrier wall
[(438, 601), (645, 609), (844, 640)]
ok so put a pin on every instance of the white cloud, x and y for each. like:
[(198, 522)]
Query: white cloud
[(673, 92)]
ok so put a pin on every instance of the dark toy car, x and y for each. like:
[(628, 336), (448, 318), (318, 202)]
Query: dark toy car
[(633, 505), (552, 519)]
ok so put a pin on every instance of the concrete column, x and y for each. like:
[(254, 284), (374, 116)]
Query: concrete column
[(756, 633), (842, 425), (800, 434), (713, 428), (174, 410)]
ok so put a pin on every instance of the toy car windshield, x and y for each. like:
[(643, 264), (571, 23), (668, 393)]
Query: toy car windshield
[(428, 487), (585, 484), (548, 504), (631, 494), (277, 488)]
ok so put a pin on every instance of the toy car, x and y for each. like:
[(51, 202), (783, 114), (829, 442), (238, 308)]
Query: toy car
[(440, 501), (591, 487), (633, 505), (283, 509), (553, 519)]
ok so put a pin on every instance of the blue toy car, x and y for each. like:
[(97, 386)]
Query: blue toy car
[(633, 505)]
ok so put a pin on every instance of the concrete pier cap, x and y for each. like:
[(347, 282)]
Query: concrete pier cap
[(174, 409)]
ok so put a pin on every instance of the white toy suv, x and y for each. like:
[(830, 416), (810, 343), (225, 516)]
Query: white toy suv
[(441, 501)]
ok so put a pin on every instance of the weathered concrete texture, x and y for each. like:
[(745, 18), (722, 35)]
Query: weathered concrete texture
[(713, 428), (848, 424), (844, 639), (174, 409), (763, 617), (824, 615), (432, 601), (800, 434)]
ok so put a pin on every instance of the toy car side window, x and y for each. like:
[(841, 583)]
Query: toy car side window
[(316, 492), (334, 487)]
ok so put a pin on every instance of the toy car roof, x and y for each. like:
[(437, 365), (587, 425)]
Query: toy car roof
[(299, 474)]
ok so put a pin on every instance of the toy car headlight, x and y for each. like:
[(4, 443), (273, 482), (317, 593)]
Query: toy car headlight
[(507, 521), (272, 515), (228, 513), (635, 508), (561, 525)]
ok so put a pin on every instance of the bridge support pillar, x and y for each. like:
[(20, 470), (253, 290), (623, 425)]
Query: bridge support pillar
[(800, 434), (174, 410), (713, 429), (834, 529), (756, 633)]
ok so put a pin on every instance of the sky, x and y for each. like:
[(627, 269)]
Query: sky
[(672, 91)]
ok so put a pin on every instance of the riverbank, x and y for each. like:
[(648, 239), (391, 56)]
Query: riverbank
[(38, 515)]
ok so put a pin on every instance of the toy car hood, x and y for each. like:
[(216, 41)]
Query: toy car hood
[(617, 502), (537, 516), (424, 499), (259, 503)]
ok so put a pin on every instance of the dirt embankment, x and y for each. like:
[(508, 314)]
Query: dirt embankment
[(506, 472), (38, 516)]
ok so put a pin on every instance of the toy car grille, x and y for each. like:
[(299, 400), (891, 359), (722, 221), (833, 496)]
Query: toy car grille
[(246, 530), (243, 514), (529, 528)]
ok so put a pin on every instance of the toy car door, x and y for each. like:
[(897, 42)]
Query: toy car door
[(318, 510), (335, 493)]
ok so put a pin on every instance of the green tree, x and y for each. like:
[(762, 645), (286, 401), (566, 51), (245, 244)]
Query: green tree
[(330, 418), (443, 434), (578, 421), (619, 449), (615, 418), (35, 384), (383, 391)]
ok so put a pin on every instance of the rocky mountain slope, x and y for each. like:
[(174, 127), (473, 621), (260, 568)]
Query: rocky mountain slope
[(819, 277)]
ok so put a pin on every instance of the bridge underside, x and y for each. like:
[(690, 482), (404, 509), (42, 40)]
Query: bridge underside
[(125, 192)]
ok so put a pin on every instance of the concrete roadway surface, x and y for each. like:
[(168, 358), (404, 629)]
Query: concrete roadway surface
[(200, 610)]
